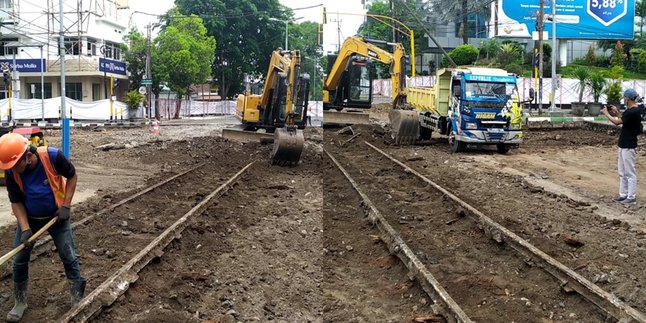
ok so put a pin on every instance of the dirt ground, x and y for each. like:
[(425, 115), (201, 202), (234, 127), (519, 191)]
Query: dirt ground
[(292, 244)]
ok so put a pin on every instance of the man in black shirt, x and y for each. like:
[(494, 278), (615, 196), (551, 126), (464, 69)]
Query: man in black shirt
[(630, 129)]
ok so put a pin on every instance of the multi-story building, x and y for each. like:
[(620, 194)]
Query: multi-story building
[(93, 34)]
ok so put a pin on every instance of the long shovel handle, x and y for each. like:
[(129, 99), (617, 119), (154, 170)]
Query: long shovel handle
[(32, 239)]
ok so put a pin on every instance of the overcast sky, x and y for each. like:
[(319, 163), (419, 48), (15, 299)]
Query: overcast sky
[(338, 25)]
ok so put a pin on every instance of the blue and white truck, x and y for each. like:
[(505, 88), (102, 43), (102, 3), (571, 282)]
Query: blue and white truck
[(470, 105)]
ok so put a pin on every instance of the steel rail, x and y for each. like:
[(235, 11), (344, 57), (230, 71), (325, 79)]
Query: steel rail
[(444, 303), (570, 280), (119, 282), (40, 246)]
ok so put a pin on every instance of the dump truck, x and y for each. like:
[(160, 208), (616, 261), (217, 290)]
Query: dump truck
[(470, 105), (281, 109), (347, 86)]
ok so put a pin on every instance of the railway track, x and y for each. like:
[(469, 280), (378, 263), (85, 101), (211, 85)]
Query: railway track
[(425, 226), (114, 243), (211, 272)]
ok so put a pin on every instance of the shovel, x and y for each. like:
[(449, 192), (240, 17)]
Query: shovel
[(33, 238)]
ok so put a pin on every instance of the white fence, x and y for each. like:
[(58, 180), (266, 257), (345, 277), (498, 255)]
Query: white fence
[(36, 109), (566, 89), (50, 109), (201, 108)]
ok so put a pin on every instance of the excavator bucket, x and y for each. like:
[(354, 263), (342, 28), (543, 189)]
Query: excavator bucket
[(405, 125), (288, 146)]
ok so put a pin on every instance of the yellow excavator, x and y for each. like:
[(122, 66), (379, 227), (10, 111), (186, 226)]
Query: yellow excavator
[(348, 84), (280, 109)]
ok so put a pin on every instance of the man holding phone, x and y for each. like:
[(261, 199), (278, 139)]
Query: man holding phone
[(630, 122)]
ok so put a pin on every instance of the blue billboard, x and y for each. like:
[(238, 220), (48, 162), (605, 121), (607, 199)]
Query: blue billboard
[(24, 65), (575, 19), (111, 66)]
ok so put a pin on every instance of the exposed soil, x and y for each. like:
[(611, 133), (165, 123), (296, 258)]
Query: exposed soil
[(291, 244), (612, 248)]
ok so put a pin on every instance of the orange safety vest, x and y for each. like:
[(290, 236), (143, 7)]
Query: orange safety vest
[(56, 182)]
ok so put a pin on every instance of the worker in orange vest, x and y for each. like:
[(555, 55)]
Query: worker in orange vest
[(41, 183)]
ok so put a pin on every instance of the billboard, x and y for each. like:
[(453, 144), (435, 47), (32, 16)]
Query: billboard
[(575, 19), (111, 66), (24, 65)]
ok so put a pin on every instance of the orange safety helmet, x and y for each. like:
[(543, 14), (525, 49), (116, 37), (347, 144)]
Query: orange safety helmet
[(12, 147)]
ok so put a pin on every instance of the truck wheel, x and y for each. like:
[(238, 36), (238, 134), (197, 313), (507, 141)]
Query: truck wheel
[(456, 145), (502, 148), (425, 133)]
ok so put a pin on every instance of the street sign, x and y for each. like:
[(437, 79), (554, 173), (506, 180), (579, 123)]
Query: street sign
[(142, 90), (147, 82)]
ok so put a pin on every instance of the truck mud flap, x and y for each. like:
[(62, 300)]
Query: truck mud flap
[(344, 118), (405, 125)]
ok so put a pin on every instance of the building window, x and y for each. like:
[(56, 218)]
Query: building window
[(96, 92), (74, 91), (72, 46), (8, 51), (4, 4), (36, 94), (112, 50), (476, 27), (91, 47)]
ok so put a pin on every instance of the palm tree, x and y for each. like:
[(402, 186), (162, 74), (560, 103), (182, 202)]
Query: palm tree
[(640, 10)]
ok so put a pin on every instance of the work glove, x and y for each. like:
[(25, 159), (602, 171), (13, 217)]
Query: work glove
[(63, 213), (24, 238)]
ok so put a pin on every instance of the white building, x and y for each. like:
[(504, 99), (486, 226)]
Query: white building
[(93, 33)]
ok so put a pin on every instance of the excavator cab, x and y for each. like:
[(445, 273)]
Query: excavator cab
[(355, 87)]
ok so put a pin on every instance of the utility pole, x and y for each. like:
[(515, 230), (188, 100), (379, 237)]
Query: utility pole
[(392, 15), (61, 50), (338, 33), (495, 19), (149, 73), (540, 26), (554, 48)]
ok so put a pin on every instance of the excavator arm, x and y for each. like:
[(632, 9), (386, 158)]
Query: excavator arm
[(358, 46), (279, 62)]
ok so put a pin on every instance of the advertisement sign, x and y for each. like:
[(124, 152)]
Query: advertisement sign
[(24, 65), (110, 66), (575, 19)]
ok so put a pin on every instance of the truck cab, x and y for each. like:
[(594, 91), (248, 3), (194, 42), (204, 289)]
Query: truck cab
[(484, 109)]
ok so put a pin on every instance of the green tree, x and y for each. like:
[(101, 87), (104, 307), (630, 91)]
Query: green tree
[(245, 34), (303, 36), (380, 28), (619, 55), (489, 48), (184, 54), (464, 55), (134, 54), (640, 11)]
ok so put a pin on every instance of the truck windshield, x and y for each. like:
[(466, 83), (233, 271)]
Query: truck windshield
[(492, 90)]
